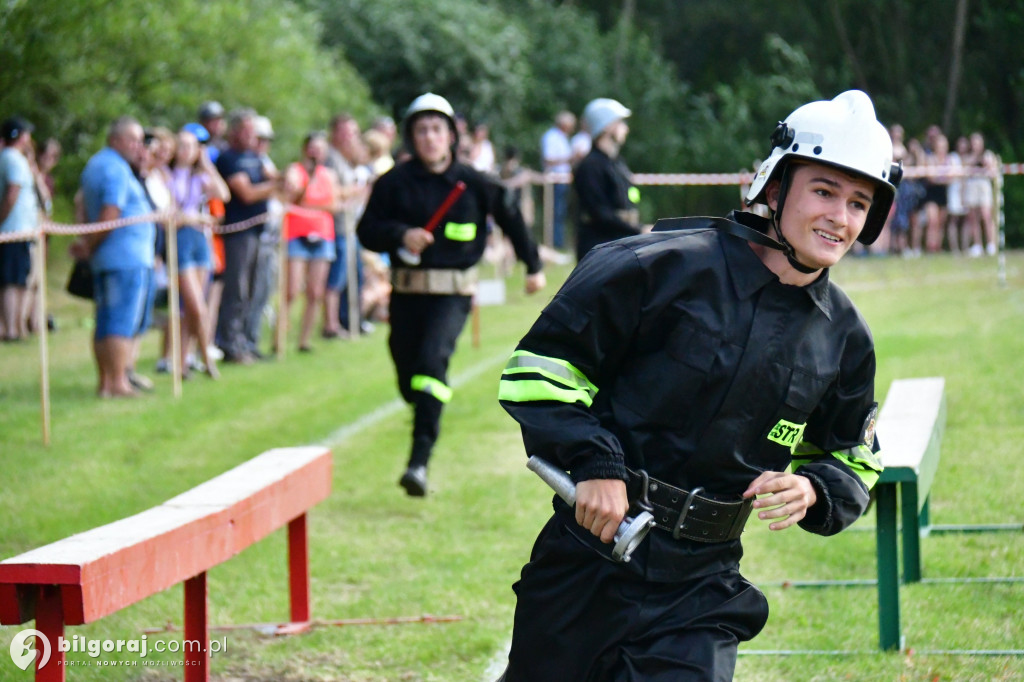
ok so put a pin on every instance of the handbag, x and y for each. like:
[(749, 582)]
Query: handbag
[(80, 282)]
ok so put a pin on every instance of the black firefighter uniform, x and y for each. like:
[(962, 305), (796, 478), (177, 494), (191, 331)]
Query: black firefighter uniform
[(431, 301), (606, 201), (679, 354)]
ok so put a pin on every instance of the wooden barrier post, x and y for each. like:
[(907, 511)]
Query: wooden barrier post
[(549, 212), (196, 642), (298, 569), (355, 328), (999, 216), (173, 304), (281, 328), (888, 579), (43, 331)]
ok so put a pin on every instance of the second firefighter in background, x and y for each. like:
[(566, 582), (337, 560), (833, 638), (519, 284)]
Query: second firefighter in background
[(606, 199), (434, 273)]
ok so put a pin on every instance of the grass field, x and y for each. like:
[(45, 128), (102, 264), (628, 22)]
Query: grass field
[(377, 554)]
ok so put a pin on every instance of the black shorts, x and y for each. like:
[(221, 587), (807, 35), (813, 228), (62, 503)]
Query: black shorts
[(15, 262), (581, 617), (936, 194)]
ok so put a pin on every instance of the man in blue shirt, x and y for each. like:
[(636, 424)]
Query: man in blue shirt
[(556, 153), (19, 212), (122, 258)]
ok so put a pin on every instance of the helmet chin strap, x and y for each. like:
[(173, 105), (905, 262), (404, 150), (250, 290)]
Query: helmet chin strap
[(787, 248)]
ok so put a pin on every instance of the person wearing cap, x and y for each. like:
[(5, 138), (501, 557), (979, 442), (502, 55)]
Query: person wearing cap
[(701, 372), (211, 118), (251, 189), (606, 197), (434, 273), (19, 212), (265, 273)]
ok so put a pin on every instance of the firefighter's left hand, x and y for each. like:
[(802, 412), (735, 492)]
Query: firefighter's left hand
[(535, 282), (788, 497)]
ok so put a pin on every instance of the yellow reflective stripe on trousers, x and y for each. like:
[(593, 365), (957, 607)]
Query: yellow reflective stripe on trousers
[(562, 381), (431, 386)]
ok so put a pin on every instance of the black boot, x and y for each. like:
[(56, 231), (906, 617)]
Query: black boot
[(414, 480)]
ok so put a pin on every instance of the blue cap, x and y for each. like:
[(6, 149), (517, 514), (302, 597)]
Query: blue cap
[(197, 129), (14, 127)]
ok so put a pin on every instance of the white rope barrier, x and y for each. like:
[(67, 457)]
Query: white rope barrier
[(161, 217), (746, 177), (20, 236)]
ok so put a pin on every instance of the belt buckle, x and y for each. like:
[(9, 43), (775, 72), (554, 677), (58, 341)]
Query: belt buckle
[(644, 502), (677, 527)]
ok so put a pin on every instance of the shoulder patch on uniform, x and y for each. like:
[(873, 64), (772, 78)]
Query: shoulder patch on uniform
[(787, 434), (867, 432)]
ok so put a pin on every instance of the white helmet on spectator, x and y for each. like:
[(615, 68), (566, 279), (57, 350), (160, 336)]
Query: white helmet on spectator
[(601, 113), (428, 102), (843, 133)]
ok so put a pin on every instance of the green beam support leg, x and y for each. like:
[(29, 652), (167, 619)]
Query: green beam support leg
[(911, 533), (888, 567)]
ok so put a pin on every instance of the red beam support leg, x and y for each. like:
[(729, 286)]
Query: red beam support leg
[(50, 622), (298, 569), (197, 634)]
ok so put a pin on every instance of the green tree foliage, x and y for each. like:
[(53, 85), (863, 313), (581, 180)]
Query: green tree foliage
[(898, 51), (706, 79), (515, 68), (468, 52), (74, 67)]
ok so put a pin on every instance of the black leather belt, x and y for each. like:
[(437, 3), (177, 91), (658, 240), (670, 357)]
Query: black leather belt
[(687, 513)]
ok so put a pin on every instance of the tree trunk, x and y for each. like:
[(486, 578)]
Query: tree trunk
[(956, 66), (625, 29), (844, 40)]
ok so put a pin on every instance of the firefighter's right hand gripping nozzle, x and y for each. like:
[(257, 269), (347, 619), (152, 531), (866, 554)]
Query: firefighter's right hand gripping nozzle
[(631, 531)]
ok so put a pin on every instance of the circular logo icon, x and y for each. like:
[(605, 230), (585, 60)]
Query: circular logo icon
[(23, 653)]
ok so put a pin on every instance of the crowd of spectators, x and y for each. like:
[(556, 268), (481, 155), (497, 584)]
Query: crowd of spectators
[(945, 202), (218, 170)]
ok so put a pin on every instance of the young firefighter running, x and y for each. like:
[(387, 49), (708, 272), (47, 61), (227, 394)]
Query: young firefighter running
[(434, 270), (685, 372)]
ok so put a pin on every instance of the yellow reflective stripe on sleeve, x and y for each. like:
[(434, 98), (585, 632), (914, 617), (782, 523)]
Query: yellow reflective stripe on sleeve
[(806, 449), (431, 386), (460, 232), (796, 463), (866, 464), (561, 381), (533, 389)]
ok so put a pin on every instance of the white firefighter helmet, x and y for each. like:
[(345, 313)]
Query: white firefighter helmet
[(844, 133), (601, 113), (427, 102)]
